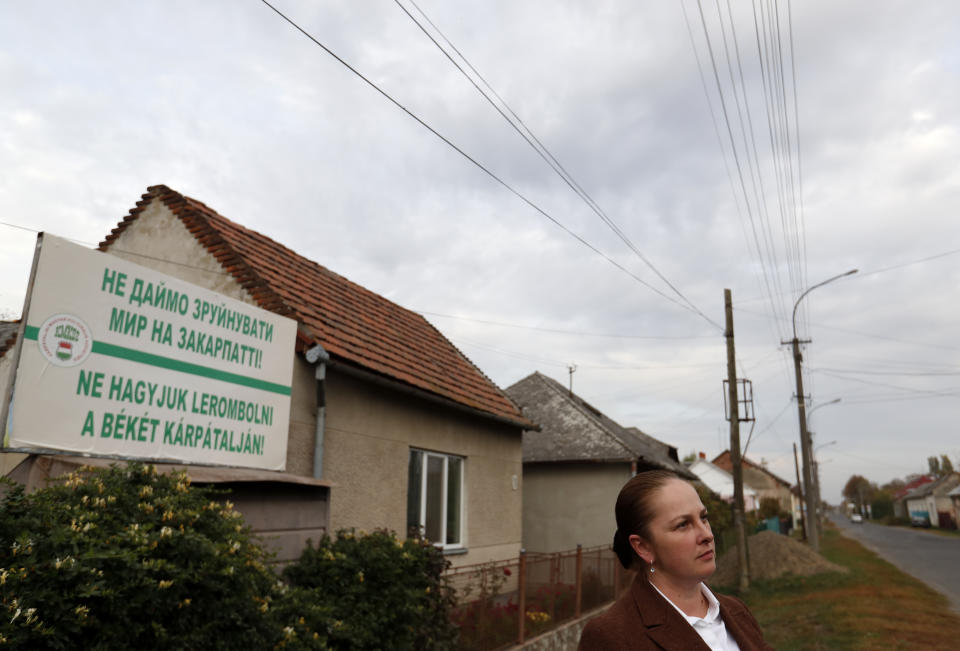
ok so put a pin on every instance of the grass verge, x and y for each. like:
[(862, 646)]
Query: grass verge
[(875, 606)]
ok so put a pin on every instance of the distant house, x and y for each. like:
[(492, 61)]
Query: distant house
[(899, 498), (720, 482), (932, 505), (574, 467), (765, 483), (390, 425)]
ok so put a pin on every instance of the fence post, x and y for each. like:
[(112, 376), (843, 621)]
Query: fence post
[(576, 608), (522, 597)]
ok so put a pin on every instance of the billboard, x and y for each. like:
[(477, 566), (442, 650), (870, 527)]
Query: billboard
[(121, 360)]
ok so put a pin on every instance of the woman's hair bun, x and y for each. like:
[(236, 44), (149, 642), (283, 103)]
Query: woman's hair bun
[(623, 550)]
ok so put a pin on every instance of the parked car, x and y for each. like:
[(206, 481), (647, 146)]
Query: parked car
[(920, 521), (856, 518)]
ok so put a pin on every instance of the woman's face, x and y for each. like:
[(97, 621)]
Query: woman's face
[(680, 544)]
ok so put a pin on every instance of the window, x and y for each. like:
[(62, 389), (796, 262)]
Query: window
[(435, 496)]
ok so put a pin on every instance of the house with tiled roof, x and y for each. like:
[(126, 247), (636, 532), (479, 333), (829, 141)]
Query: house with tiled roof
[(931, 504), (575, 465), (899, 497), (765, 483), (390, 425), (720, 481)]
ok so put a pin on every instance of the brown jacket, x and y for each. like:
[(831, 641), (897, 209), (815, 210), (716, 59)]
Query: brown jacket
[(641, 619)]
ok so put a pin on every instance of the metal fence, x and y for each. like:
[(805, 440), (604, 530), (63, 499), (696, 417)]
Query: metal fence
[(502, 603)]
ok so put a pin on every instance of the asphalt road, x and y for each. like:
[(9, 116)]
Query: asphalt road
[(932, 558)]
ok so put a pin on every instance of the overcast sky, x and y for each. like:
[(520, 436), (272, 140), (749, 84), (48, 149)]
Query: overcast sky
[(229, 104)]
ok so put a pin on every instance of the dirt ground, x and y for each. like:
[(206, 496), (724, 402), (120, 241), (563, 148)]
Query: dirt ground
[(773, 555)]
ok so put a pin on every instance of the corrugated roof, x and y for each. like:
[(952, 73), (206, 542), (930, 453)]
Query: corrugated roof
[(574, 430), (352, 323)]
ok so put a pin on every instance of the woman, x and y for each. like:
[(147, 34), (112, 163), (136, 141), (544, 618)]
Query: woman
[(663, 533)]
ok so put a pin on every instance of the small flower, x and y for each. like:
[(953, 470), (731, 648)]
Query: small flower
[(506, 571), (164, 584), (360, 576), (81, 611), (165, 531)]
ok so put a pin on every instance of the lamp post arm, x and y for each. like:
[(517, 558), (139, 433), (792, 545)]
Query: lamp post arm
[(810, 289)]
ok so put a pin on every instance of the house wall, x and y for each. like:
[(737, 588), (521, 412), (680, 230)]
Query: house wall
[(8, 460), (368, 435), (369, 429), (919, 506), (566, 504), (158, 240)]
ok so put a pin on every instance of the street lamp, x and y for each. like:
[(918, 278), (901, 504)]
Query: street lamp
[(809, 496)]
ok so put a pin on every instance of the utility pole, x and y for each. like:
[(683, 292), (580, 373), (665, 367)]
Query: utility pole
[(813, 533), (803, 519), (572, 368), (735, 460), (810, 495)]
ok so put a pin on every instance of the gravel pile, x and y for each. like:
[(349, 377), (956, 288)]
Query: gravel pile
[(773, 555)]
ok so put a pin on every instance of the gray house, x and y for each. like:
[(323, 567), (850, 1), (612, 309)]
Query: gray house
[(931, 504), (574, 467)]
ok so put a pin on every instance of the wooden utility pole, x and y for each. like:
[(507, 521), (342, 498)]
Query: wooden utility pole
[(806, 453), (735, 460), (803, 520)]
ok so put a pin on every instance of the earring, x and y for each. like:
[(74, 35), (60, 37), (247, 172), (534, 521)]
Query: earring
[(651, 569)]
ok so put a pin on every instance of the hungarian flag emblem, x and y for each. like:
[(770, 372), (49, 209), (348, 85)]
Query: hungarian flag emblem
[(64, 350)]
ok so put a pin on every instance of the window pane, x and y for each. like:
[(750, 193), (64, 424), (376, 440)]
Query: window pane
[(434, 498), (454, 482), (414, 485)]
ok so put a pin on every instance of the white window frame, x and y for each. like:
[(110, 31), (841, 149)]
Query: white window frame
[(422, 523)]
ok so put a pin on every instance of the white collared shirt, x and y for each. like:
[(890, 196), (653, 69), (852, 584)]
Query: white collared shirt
[(710, 627)]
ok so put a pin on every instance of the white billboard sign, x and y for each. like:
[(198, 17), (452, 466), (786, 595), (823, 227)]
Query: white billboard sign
[(121, 360)]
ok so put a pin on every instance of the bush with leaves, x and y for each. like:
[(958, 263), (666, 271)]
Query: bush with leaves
[(380, 592), (126, 558)]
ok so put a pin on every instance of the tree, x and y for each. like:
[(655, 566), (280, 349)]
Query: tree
[(769, 507), (934, 464), (80, 557), (689, 458), (945, 466), (859, 489), (894, 485)]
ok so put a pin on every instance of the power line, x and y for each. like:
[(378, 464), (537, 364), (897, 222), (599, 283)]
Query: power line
[(537, 145), (114, 249), (944, 394), (902, 373), (862, 333), (736, 157), (558, 330), (596, 367), (479, 165)]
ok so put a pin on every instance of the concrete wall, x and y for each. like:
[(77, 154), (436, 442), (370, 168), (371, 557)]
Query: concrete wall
[(565, 504), (284, 516), (370, 430), (562, 638)]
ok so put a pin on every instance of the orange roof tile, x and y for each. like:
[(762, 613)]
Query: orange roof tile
[(352, 323)]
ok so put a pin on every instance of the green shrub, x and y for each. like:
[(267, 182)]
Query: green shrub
[(376, 591), (126, 558)]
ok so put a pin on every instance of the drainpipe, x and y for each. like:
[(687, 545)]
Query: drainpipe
[(317, 355)]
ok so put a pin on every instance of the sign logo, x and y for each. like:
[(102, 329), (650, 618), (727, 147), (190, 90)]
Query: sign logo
[(65, 340)]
